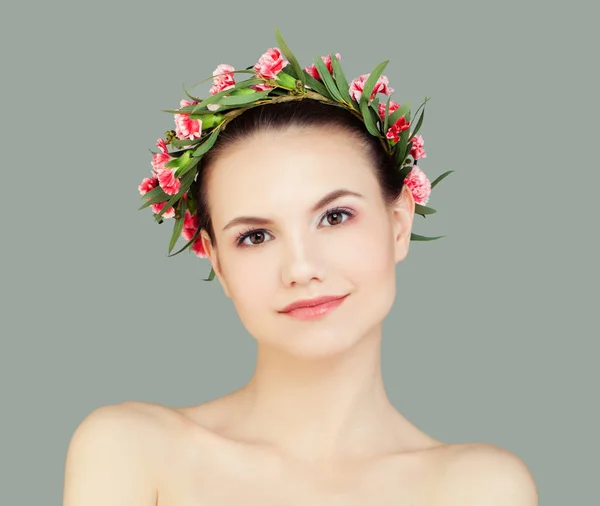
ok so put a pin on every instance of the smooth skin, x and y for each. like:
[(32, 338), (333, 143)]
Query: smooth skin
[(314, 424)]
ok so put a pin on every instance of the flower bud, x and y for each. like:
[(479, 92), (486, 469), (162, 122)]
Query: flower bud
[(211, 120), (169, 136), (286, 81)]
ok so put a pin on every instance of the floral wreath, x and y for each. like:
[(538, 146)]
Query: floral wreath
[(276, 79)]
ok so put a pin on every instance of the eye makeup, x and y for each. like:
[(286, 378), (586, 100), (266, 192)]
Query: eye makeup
[(244, 234)]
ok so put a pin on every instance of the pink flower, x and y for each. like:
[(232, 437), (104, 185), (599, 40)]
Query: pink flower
[(147, 184), (261, 87), (381, 86), (168, 181), (312, 69), (159, 159), (394, 106), (270, 63), (419, 185), (157, 208), (190, 225), (165, 176), (222, 82), (198, 247), (186, 128), (416, 150), (397, 128)]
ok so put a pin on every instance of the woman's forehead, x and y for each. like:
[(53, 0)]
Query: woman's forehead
[(270, 172), (293, 152)]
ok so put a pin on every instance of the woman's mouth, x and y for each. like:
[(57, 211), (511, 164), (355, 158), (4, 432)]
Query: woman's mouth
[(312, 312)]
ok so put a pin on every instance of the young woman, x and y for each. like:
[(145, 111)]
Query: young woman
[(303, 215)]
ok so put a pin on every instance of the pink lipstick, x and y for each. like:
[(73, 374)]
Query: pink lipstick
[(313, 308)]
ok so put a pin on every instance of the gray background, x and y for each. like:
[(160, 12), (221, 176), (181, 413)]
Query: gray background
[(499, 336)]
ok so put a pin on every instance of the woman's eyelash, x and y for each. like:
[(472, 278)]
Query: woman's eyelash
[(249, 231)]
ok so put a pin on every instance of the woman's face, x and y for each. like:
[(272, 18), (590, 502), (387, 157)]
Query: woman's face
[(295, 249)]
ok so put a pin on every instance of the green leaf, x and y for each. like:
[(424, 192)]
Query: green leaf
[(180, 172), (372, 81), (398, 151), (408, 148), (187, 244), (439, 178), (375, 106), (415, 237), (245, 90), (289, 71), (423, 210), (425, 100), (159, 197), (243, 99), (179, 162), (194, 108), (184, 110), (405, 171), (210, 78), (185, 142), (153, 193), (290, 56), (419, 123), (209, 143), (177, 226), (277, 92), (217, 97), (195, 99), (208, 121), (340, 80), (327, 79), (368, 119), (178, 153), (211, 276), (377, 122), (398, 113), (186, 182), (386, 122), (246, 83), (402, 146), (316, 85), (221, 110)]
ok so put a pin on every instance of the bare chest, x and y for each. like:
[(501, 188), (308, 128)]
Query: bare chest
[(224, 479)]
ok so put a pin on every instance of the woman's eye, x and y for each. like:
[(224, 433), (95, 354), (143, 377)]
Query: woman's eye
[(336, 216), (255, 233)]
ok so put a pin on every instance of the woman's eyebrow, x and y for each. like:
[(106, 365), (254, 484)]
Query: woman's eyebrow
[(322, 202)]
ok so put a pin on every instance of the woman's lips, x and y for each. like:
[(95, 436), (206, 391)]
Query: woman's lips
[(309, 313)]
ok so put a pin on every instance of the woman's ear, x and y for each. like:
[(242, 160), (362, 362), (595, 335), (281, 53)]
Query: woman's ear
[(403, 213), (213, 256)]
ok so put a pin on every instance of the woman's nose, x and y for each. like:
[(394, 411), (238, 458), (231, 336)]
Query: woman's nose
[(301, 261)]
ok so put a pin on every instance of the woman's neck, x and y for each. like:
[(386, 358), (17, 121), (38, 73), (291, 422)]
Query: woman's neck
[(322, 409)]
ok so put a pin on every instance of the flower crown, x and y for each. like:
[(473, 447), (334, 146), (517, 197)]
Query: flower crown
[(275, 79)]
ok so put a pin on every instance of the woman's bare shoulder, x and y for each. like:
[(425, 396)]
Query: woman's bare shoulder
[(476, 473), (109, 454), (146, 427), (135, 421), (130, 416), (156, 421)]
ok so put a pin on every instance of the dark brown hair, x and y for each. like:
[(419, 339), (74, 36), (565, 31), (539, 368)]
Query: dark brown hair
[(301, 113)]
